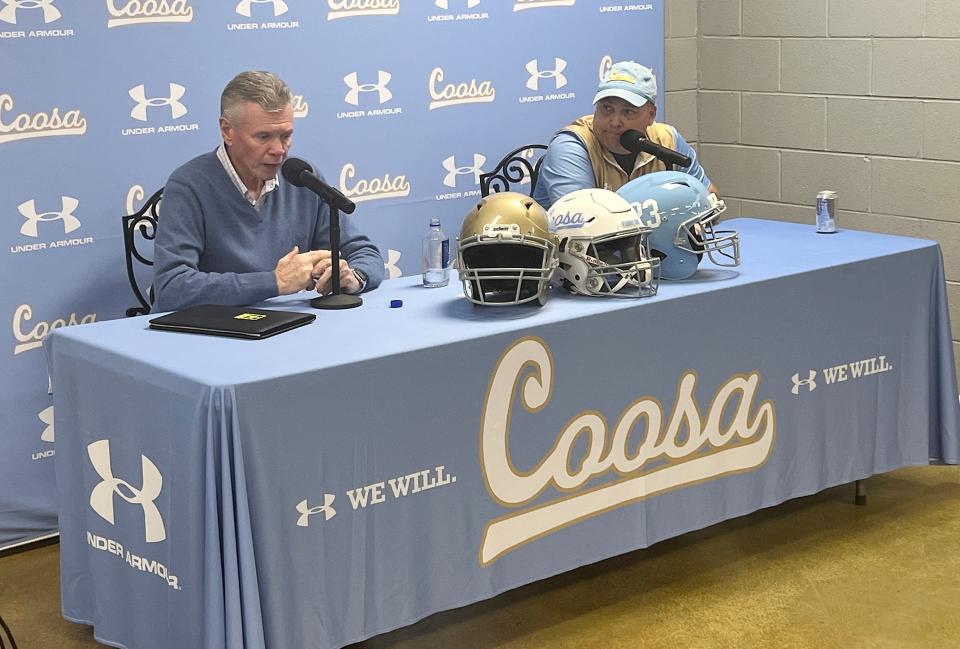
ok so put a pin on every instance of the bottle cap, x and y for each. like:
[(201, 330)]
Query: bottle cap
[(396, 304)]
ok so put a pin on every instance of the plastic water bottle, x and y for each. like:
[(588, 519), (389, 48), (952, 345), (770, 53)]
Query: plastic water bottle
[(435, 256)]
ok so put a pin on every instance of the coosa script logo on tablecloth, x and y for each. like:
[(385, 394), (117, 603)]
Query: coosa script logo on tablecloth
[(649, 454)]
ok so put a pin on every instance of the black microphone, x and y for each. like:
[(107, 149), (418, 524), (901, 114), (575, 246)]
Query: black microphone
[(635, 142), (299, 173)]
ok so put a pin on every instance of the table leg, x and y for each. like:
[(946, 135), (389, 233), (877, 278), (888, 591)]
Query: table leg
[(861, 495)]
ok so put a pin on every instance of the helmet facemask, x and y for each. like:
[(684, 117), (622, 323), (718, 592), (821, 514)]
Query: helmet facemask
[(698, 235), (614, 265), (505, 270)]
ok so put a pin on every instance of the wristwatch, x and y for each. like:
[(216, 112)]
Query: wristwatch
[(362, 279)]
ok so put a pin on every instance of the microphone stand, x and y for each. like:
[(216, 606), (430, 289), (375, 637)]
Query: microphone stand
[(336, 300)]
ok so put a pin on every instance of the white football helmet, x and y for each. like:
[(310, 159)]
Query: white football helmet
[(603, 247)]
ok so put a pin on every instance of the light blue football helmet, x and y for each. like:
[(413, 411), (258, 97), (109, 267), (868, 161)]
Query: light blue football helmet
[(682, 214)]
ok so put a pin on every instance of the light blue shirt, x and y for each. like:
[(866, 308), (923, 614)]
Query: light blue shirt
[(566, 167)]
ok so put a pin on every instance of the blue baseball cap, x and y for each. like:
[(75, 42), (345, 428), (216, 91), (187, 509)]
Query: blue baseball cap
[(629, 81)]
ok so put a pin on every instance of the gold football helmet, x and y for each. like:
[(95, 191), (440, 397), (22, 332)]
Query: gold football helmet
[(506, 252)]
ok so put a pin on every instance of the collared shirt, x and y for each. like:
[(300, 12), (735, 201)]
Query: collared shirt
[(268, 186)]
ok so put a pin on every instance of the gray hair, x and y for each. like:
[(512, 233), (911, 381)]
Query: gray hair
[(264, 89)]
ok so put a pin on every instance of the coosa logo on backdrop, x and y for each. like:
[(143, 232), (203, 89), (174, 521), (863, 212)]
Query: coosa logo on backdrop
[(448, 17), (520, 5), (31, 227), (146, 108), (539, 76), (134, 195), (647, 451), (453, 94), (102, 502), (25, 126), (453, 172), (139, 12), (275, 8), (626, 7), (368, 94), (606, 62), (371, 189), (33, 339), (32, 12), (351, 8), (300, 106)]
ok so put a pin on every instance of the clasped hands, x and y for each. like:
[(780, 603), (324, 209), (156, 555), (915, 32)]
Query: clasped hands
[(311, 270)]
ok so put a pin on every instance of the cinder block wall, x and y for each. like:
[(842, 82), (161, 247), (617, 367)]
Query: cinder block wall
[(859, 96), (682, 78)]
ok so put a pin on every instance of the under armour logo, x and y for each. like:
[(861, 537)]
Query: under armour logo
[(533, 67), (380, 87), (244, 6), (8, 13), (29, 211), (46, 417), (101, 498), (306, 511), (445, 4), (450, 164), (390, 265), (809, 382), (177, 109)]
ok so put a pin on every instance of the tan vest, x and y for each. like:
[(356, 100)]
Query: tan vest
[(606, 171)]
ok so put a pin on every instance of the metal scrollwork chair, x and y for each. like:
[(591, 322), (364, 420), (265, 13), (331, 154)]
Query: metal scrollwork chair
[(518, 167), (144, 222)]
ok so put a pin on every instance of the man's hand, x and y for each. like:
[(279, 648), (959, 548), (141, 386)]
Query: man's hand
[(295, 269), (324, 277)]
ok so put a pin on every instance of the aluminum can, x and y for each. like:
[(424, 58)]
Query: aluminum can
[(827, 212)]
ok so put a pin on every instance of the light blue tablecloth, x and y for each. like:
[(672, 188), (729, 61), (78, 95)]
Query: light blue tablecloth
[(360, 473)]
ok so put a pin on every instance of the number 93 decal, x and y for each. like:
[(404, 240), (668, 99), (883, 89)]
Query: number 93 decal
[(649, 213)]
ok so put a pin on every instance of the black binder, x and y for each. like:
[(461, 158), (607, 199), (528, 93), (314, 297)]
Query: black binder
[(234, 321)]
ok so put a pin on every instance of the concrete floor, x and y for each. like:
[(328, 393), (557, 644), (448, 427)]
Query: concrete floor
[(813, 572)]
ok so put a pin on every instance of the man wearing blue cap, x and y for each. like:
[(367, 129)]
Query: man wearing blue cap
[(588, 153)]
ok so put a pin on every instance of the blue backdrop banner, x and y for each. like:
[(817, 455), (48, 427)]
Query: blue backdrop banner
[(401, 103)]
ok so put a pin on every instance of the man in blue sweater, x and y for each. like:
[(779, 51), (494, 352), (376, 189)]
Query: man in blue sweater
[(232, 231)]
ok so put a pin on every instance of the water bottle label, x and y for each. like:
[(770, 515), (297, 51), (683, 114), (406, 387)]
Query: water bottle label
[(445, 254)]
